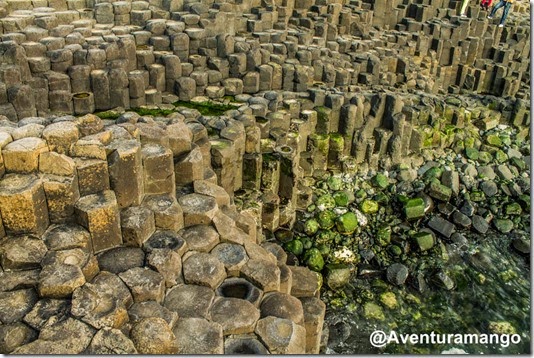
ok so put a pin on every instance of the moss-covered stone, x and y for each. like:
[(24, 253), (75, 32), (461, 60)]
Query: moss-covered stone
[(493, 139), (388, 300), (294, 246), (341, 198), (440, 191), (471, 153), (313, 259), (311, 226), (424, 240), (326, 219), (414, 208), (501, 327), (503, 225), (334, 183), (513, 209), (383, 236), (325, 201), (369, 206), (347, 223), (373, 311), (380, 181)]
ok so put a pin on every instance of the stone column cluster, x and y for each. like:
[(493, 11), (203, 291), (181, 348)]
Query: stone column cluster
[(76, 56), (117, 232)]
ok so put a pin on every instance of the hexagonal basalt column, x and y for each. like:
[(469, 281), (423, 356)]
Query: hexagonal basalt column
[(22, 156), (158, 170), (166, 239), (203, 269), (314, 311), (21, 252), (61, 136), (281, 336), (125, 172), (263, 273), (234, 315), (145, 284), (198, 336), (201, 238), (137, 224), (245, 345), (198, 209), (23, 204), (232, 256), (189, 300), (235, 287), (168, 215), (99, 213)]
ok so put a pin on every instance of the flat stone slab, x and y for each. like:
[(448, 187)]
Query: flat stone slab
[(281, 336), (15, 304), (200, 238), (198, 336), (110, 341), (145, 284), (189, 300), (153, 336), (121, 259), (236, 316), (203, 269)]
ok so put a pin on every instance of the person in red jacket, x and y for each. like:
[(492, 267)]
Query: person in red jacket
[(485, 4)]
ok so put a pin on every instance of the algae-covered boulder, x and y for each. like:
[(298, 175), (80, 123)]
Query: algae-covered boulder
[(347, 223), (341, 198), (325, 201), (380, 181), (294, 246), (373, 311), (311, 226), (369, 206), (423, 240), (313, 259), (414, 208), (326, 219)]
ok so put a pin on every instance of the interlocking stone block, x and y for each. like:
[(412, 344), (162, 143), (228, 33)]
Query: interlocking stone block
[(200, 238), (99, 214), (148, 309), (145, 284), (15, 304), (263, 273), (154, 336), (158, 170), (314, 312), (168, 215), (282, 305), (189, 300), (203, 269), (21, 253), (23, 204), (206, 188), (166, 239), (189, 167), (198, 336), (98, 309), (236, 316), (93, 175), (22, 156), (125, 172), (281, 336), (198, 209), (56, 164), (59, 281), (305, 282), (67, 236), (232, 256), (120, 259), (60, 136), (62, 193), (110, 341), (137, 225), (168, 263)]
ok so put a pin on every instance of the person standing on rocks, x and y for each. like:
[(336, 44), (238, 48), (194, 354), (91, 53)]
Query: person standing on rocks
[(463, 9), (507, 4), (485, 4)]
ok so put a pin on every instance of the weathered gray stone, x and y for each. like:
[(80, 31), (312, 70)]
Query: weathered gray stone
[(168, 215), (46, 312), (15, 304), (166, 239), (153, 336), (168, 263), (198, 336), (189, 300), (198, 209), (148, 309), (15, 335), (110, 341), (236, 316), (145, 284), (281, 336), (305, 282), (99, 214), (282, 305), (263, 273), (232, 256), (137, 225), (203, 269), (121, 259), (21, 253)]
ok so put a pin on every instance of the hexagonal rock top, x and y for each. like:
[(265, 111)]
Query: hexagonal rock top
[(204, 269), (198, 336), (189, 300), (200, 237), (282, 305), (153, 336), (198, 209), (236, 316), (281, 336), (145, 284)]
